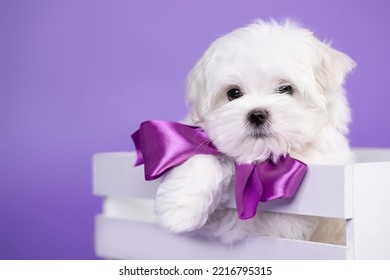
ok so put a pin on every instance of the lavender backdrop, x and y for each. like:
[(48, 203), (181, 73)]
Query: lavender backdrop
[(77, 77)]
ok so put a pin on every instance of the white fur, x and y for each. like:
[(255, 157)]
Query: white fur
[(310, 125)]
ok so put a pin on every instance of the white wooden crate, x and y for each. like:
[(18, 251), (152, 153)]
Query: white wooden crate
[(359, 193)]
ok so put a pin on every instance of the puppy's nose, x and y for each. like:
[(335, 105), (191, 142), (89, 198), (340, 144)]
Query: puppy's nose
[(258, 116)]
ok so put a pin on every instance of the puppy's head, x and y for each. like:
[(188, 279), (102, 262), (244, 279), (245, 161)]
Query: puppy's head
[(267, 89)]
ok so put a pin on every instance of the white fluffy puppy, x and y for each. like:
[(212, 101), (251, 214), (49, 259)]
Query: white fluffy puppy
[(259, 92)]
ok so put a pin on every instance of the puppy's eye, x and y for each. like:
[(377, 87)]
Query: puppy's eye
[(234, 93), (285, 89)]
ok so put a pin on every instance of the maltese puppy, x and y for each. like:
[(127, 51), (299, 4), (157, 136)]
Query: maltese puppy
[(259, 92)]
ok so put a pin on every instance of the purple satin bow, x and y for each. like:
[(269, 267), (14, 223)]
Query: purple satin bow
[(162, 145)]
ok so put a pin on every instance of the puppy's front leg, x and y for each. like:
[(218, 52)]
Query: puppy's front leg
[(192, 191)]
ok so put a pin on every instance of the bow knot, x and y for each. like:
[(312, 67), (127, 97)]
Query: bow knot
[(162, 145)]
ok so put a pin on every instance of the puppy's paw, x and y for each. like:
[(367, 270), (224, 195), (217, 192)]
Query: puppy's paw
[(190, 192)]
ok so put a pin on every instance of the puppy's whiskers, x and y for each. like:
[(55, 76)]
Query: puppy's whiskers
[(201, 146)]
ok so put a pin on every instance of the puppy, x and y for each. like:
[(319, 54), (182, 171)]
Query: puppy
[(259, 92)]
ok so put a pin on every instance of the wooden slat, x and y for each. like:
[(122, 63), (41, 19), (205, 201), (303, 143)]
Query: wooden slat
[(325, 191), (121, 239)]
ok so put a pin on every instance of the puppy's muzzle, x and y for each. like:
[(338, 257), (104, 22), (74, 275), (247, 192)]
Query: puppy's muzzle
[(258, 117)]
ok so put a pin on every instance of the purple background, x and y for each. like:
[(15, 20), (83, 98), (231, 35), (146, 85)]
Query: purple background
[(77, 77)]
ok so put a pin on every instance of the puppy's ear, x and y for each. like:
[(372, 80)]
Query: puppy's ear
[(331, 68), (195, 92)]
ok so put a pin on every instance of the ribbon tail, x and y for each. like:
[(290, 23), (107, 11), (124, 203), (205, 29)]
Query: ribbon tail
[(248, 190)]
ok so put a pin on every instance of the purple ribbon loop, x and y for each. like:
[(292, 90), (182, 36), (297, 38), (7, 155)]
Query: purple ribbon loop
[(162, 145)]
